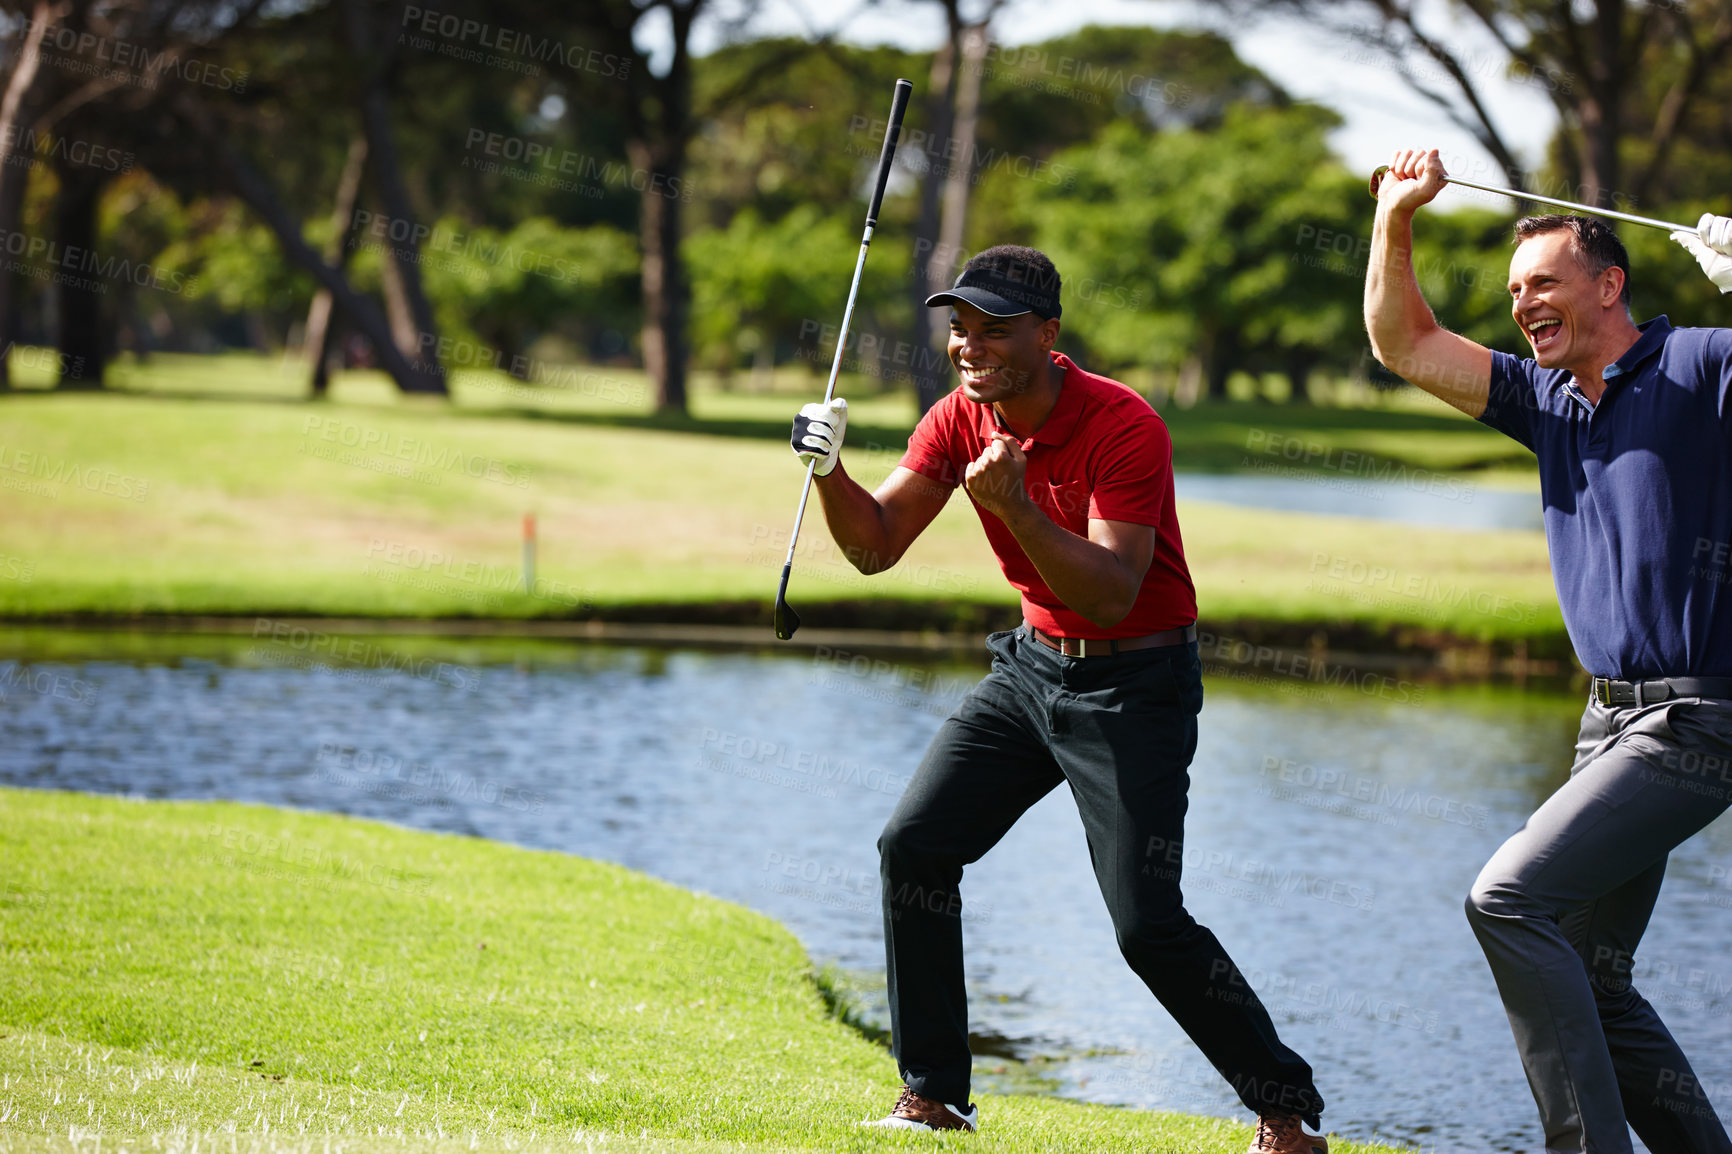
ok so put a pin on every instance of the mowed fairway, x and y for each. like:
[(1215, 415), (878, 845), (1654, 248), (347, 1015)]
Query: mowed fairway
[(255, 502), (201, 976)]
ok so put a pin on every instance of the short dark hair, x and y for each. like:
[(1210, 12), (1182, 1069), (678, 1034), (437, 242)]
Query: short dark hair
[(1018, 263), (1597, 246)]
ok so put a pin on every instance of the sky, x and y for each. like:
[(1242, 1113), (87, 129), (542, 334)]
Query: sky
[(1381, 112)]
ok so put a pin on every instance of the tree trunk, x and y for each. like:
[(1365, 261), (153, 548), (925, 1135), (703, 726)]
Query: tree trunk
[(933, 267), (658, 150), (664, 284), (17, 109), (1298, 366), (256, 191), (1601, 116), (412, 324), (1212, 351), (82, 337), (959, 174), (320, 340)]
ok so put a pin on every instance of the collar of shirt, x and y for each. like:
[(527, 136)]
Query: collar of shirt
[(1653, 339), (1059, 423)]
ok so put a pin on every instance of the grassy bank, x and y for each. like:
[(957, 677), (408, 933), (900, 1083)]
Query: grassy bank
[(177, 971), (210, 488)]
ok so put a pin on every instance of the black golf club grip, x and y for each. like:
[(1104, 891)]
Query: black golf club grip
[(898, 107)]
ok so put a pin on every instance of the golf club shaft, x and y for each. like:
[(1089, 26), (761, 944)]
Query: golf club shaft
[(829, 392), (1631, 217), (899, 104), (1613, 213)]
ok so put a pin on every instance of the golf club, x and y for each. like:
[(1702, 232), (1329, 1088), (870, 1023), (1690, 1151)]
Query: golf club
[(1377, 179), (786, 620)]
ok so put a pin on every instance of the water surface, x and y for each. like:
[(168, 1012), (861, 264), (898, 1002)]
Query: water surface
[(1330, 841)]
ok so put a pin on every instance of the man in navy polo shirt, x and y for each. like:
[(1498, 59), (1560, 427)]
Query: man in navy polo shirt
[(1072, 477), (1631, 425)]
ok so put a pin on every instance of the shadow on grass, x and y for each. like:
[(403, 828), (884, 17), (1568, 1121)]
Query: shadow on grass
[(1211, 437)]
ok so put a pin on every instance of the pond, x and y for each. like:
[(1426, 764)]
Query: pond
[(1332, 834), (1423, 498)]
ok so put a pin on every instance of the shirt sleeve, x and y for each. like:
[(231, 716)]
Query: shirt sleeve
[(1717, 367), (1514, 398), (931, 448), (1133, 473)]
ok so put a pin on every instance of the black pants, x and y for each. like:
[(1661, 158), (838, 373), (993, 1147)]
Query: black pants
[(1121, 730)]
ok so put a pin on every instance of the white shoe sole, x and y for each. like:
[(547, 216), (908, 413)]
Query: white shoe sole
[(894, 1123)]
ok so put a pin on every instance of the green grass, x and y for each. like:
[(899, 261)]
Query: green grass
[(179, 973), (1392, 428), (207, 486)]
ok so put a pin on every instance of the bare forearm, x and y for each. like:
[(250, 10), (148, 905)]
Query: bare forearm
[(856, 521), (1396, 314), (1089, 578), (1405, 335)]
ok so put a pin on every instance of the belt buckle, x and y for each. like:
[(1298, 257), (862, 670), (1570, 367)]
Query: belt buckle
[(1064, 647), (1603, 691)]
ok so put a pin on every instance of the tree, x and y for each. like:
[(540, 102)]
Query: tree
[(1198, 248), (1590, 58)]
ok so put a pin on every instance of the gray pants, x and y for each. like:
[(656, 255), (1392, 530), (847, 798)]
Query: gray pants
[(1559, 911)]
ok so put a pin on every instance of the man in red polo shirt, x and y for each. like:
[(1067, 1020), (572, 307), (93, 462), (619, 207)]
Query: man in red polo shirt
[(1072, 476)]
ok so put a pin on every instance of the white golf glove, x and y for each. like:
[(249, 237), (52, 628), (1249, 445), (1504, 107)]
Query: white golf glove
[(1711, 245), (818, 430)]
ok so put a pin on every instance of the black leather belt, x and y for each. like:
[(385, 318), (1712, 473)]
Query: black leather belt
[(1087, 647), (1611, 691)]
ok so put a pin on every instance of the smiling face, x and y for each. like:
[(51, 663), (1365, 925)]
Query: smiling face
[(998, 358), (1561, 308)]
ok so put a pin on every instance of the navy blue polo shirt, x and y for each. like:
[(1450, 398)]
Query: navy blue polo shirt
[(1638, 499)]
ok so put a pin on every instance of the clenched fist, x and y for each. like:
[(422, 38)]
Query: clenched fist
[(995, 478)]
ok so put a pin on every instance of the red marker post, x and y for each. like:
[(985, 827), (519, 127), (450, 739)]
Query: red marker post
[(529, 553)]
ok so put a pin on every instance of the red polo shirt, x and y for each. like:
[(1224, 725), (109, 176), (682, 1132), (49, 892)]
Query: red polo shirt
[(1101, 453)]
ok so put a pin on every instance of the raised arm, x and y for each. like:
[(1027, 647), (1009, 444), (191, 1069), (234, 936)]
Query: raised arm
[(1097, 576), (873, 529), (1405, 336)]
